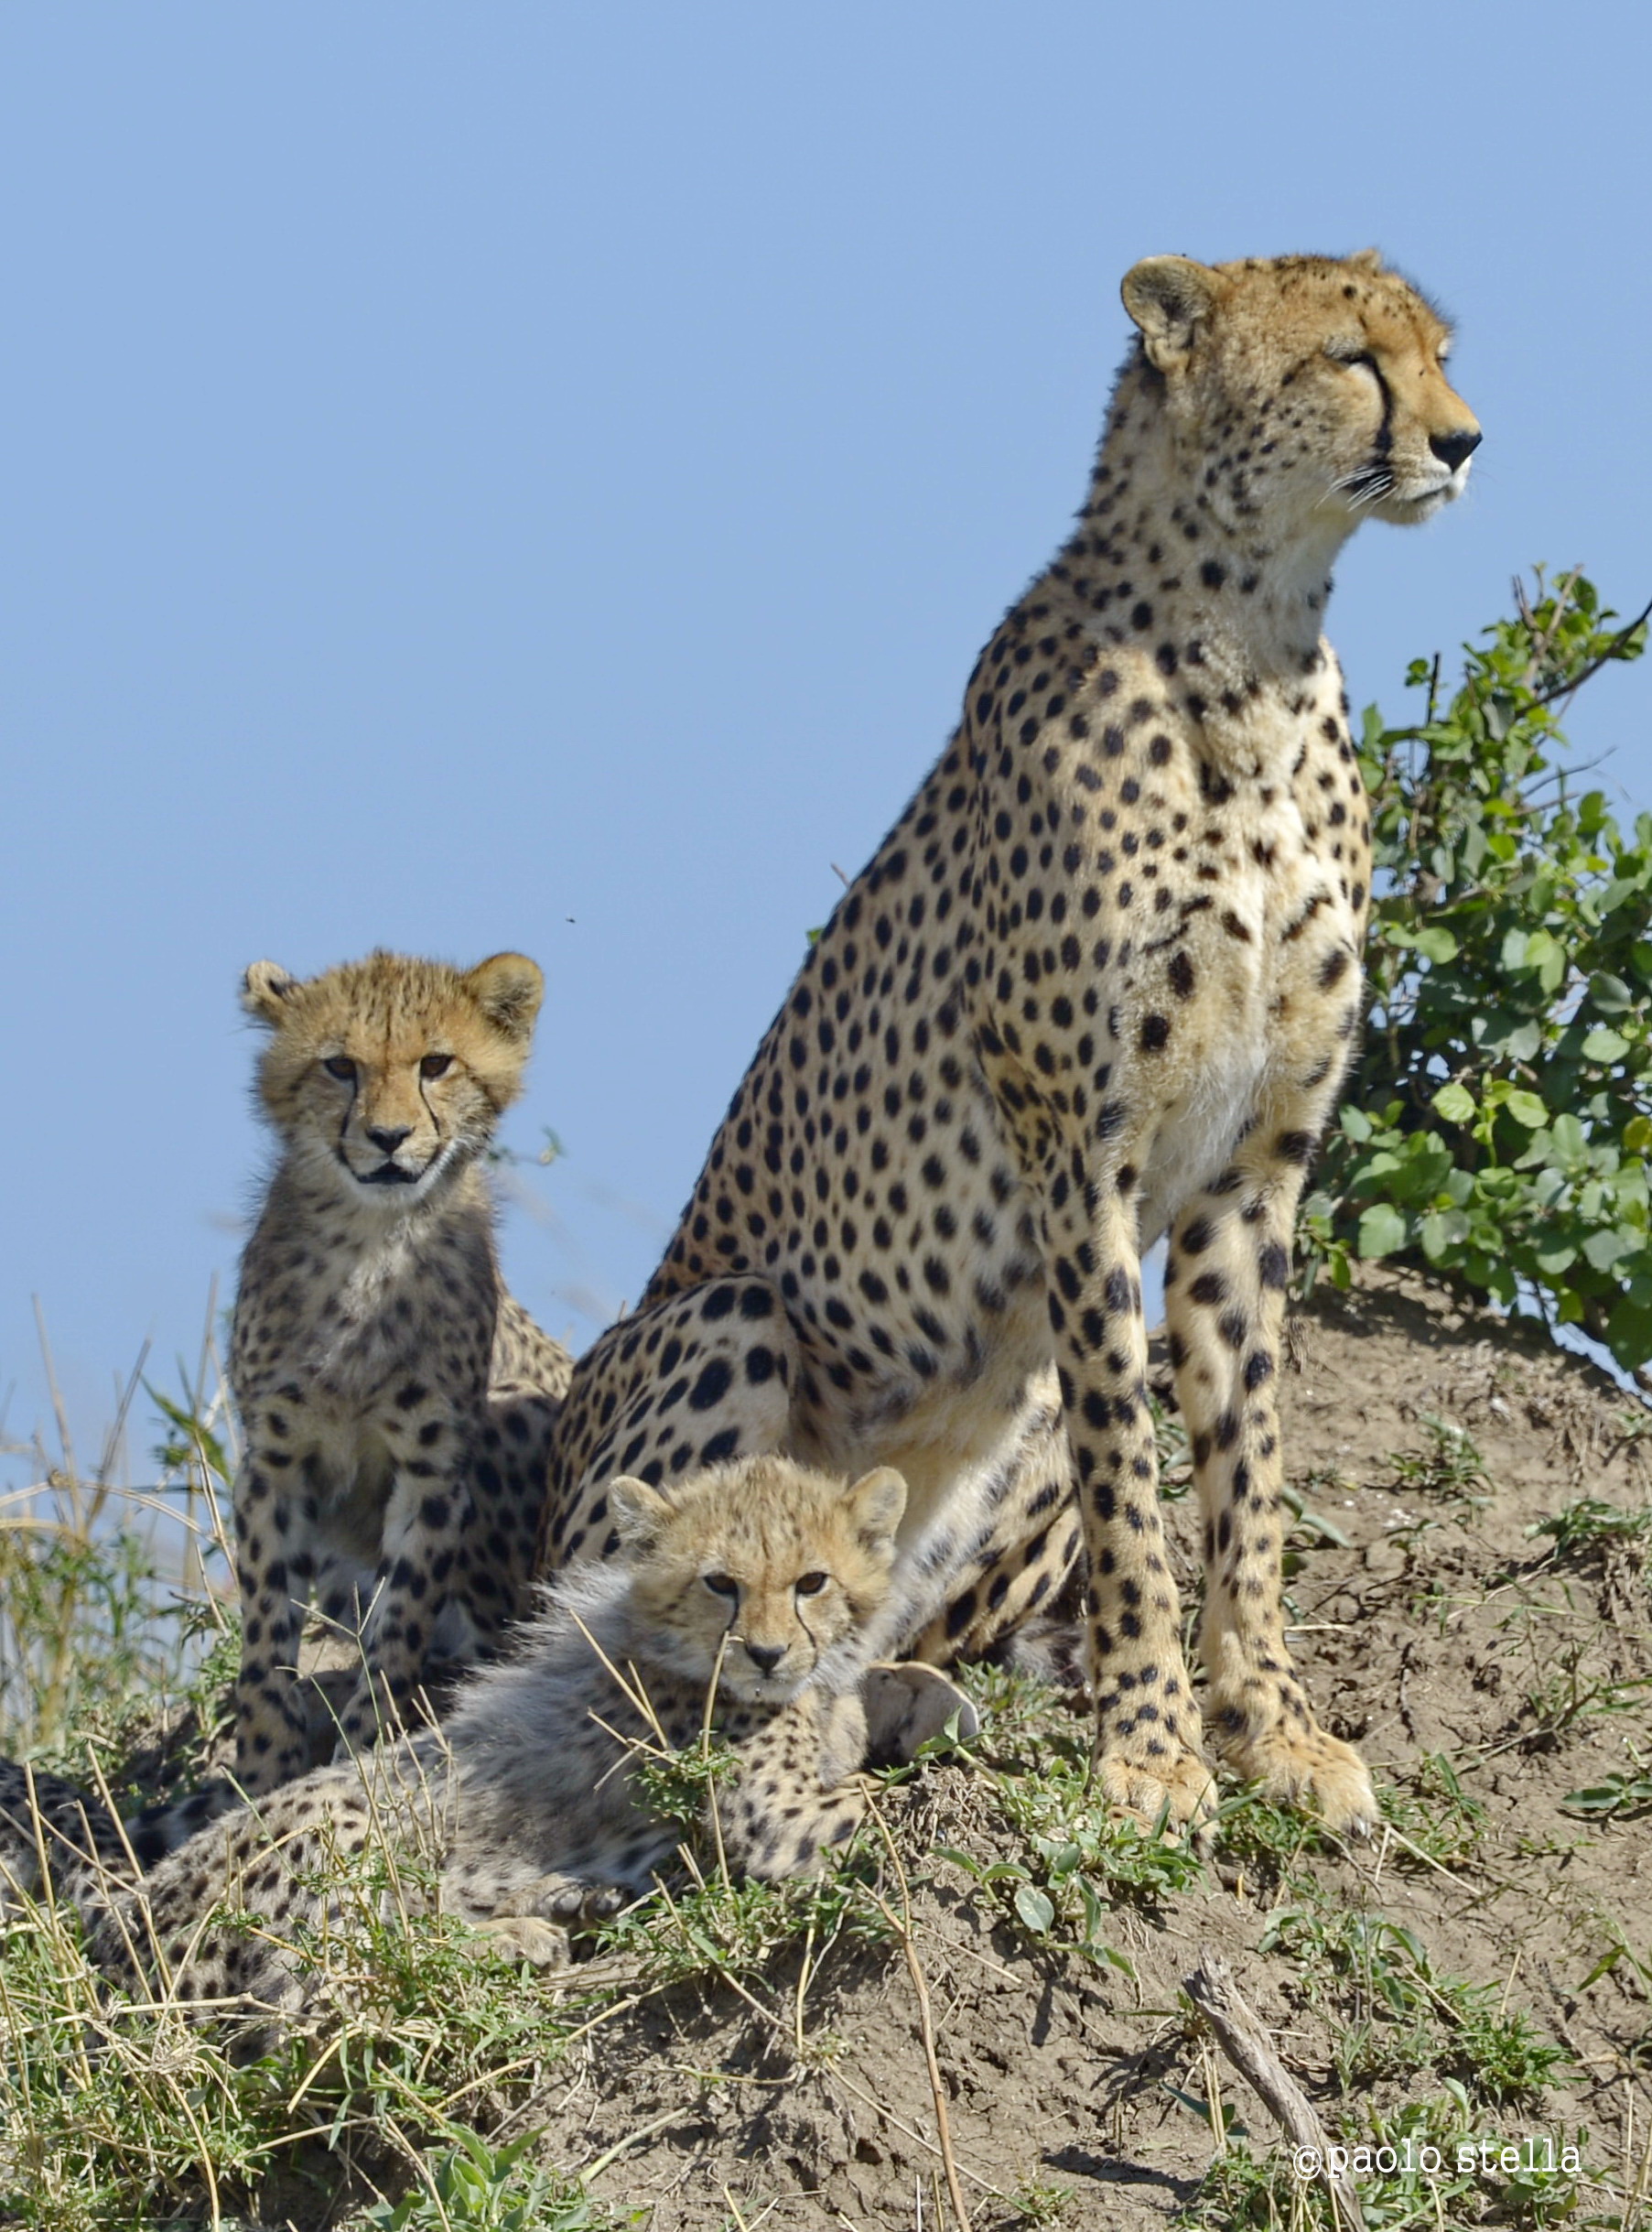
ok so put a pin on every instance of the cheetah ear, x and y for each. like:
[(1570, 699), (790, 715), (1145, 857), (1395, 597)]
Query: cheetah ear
[(1366, 259), (637, 1511), (508, 989), (875, 1504), (264, 991), (1168, 296)]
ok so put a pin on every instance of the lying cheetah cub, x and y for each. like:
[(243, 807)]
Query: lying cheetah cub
[(398, 1404), (752, 1585)]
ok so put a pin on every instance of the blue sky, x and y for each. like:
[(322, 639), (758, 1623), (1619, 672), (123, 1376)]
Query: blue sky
[(537, 476)]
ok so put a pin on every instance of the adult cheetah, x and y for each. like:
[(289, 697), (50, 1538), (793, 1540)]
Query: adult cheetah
[(1100, 983)]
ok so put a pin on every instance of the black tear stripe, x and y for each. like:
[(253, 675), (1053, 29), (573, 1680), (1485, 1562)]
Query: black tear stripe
[(1376, 478)]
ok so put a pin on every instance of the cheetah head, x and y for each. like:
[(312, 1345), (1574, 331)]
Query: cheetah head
[(762, 1561), (1305, 390), (387, 1074)]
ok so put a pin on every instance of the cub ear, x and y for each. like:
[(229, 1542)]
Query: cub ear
[(1170, 297), (637, 1511), (508, 989), (264, 991), (1366, 259), (875, 1504)]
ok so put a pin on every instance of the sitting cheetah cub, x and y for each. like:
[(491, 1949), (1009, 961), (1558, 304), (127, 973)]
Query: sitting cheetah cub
[(398, 1404), (742, 1599)]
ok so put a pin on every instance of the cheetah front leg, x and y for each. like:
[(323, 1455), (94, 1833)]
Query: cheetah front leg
[(1148, 1758), (1224, 1304), (274, 1553), (426, 1517), (796, 1801)]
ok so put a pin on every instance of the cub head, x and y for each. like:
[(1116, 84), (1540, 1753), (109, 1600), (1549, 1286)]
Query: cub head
[(761, 1559), (389, 1072), (1304, 384)]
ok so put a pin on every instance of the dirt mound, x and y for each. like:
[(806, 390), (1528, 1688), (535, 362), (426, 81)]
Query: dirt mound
[(1479, 1973)]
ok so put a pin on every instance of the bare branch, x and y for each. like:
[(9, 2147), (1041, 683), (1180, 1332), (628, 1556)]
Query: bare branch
[(1567, 688), (1213, 1991)]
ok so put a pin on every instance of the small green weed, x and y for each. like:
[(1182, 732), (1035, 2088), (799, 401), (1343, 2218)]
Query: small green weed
[(1435, 1820), (1039, 2201), (1450, 1465), (1568, 1691), (1078, 1861), (472, 2187), (732, 1929), (1399, 2001), (1590, 1527), (1616, 1797)]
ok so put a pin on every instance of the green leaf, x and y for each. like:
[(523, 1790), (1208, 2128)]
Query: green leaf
[(1612, 1795), (1570, 1142), (1603, 1249), (1629, 1332), (1436, 943), (1526, 1109), (1605, 1046), (1440, 1232), (1382, 1230), (1455, 1104), (1609, 994), (1517, 1042), (1035, 1909)]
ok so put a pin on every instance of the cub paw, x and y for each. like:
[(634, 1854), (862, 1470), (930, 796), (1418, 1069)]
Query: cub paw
[(567, 1900), (523, 1937)]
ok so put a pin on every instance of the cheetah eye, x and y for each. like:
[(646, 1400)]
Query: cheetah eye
[(342, 1067), (1351, 353), (811, 1584), (721, 1584), (435, 1064)]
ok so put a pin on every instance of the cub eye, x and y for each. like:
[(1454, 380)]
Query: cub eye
[(435, 1064), (721, 1584), (811, 1584), (342, 1067)]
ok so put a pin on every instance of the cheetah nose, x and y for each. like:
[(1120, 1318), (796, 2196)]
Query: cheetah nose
[(388, 1137), (765, 1657), (1454, 449)]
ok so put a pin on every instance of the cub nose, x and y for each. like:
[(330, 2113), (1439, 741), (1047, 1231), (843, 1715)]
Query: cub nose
[(765, 1657), (388, 1137), (1454, 449)]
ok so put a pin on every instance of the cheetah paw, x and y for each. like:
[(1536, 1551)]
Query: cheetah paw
[(1177, 1788), (1317, 1773), (523, 1937)]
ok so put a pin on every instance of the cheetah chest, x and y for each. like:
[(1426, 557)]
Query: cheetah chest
[(1263, 1027)]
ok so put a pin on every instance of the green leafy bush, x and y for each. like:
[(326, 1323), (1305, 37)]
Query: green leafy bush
[(1497, 1124)]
